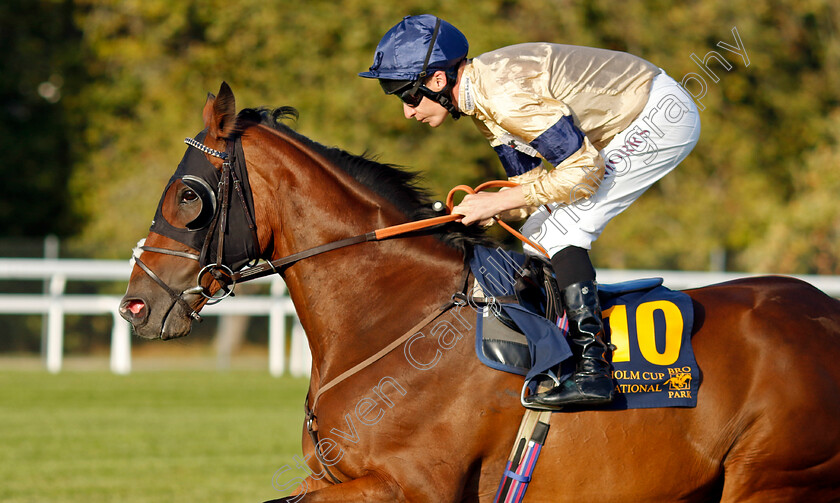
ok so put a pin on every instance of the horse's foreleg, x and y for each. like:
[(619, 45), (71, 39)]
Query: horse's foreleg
[(370, 488)]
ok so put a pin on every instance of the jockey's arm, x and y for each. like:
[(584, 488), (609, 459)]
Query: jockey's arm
[(576, 177)]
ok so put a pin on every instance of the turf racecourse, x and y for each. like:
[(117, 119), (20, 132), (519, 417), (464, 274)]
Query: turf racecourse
[(169, 436)]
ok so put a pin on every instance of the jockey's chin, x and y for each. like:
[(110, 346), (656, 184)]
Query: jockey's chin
[(427, 112)]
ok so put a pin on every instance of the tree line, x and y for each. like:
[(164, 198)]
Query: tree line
[(97, 95)]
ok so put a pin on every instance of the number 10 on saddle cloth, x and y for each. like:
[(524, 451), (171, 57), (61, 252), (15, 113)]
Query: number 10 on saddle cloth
[(649, 326)]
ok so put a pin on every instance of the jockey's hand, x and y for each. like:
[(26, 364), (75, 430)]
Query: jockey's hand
[(483, 206)]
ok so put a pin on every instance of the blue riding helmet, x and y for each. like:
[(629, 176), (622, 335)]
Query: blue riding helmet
[(414, 49)]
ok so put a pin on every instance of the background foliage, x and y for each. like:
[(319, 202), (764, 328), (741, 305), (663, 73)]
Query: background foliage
[(97, 95)]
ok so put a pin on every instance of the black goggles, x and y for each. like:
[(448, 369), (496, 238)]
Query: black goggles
[(407, 90)]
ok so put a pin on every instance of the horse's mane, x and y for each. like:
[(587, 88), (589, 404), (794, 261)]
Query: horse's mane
[(398, 186)]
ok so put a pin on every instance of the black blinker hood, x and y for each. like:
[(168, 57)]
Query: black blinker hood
[(240, 247)]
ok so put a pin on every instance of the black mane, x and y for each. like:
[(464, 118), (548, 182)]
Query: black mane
[(397, 186)]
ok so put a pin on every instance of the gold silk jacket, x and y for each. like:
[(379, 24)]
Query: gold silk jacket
[(561, 103)]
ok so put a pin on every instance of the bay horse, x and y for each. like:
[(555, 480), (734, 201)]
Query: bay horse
[(767, 422)]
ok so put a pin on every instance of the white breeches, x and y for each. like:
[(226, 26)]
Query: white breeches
[(649, 148)]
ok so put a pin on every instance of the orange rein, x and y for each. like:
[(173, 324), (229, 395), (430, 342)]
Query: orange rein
[(429, 222)]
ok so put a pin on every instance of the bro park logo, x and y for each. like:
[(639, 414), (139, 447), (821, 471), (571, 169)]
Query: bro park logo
[(679, 384)]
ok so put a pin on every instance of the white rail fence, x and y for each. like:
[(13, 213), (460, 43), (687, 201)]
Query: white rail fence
[(54, 304)]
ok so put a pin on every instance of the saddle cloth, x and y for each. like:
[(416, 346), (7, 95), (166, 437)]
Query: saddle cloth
[(649, 326)]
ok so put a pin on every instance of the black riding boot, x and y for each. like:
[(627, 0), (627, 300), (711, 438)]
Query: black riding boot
[(591, 383)]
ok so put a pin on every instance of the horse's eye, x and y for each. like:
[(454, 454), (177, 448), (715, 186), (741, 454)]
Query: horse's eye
[(189, 196)]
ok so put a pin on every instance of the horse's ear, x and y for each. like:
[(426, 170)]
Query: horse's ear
[(220, 112)]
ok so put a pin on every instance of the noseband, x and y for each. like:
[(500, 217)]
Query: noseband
[(175, 296)]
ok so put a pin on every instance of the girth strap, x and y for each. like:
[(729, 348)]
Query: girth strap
[(530, 439)]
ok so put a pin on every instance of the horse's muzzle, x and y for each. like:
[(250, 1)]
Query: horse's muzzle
[(155, 322)]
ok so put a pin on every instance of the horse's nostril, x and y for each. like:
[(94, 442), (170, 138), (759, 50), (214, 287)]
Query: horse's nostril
[(135, 309), (135, 306)]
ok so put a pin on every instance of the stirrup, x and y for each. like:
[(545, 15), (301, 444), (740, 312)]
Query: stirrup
[(548, 373)]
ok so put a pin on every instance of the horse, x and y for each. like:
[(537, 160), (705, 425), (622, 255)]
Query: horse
[(421, 419)]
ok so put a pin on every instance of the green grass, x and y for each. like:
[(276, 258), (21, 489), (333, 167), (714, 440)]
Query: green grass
[(147, 437)]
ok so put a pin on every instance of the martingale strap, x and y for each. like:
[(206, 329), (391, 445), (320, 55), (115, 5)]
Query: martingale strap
[(533, 431), (382, 352), (312, 419)]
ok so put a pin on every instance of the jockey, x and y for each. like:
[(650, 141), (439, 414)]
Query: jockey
[(609, 123)]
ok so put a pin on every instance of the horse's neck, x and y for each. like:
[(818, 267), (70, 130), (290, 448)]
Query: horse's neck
[(355, 304), (355, 300)]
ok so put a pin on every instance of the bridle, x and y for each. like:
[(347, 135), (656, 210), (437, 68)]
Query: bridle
[(224, 274), (174, 295)]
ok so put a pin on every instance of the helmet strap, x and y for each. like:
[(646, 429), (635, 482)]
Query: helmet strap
[(444, 96), (423, 73)]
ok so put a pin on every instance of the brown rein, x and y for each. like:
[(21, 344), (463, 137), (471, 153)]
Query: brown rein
[(228, 279), (277, 266)]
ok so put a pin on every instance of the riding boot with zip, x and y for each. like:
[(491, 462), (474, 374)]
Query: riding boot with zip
[(591, 383)]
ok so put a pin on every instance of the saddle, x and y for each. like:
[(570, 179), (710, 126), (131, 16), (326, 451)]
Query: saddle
[(535, 289), (502, 343)]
